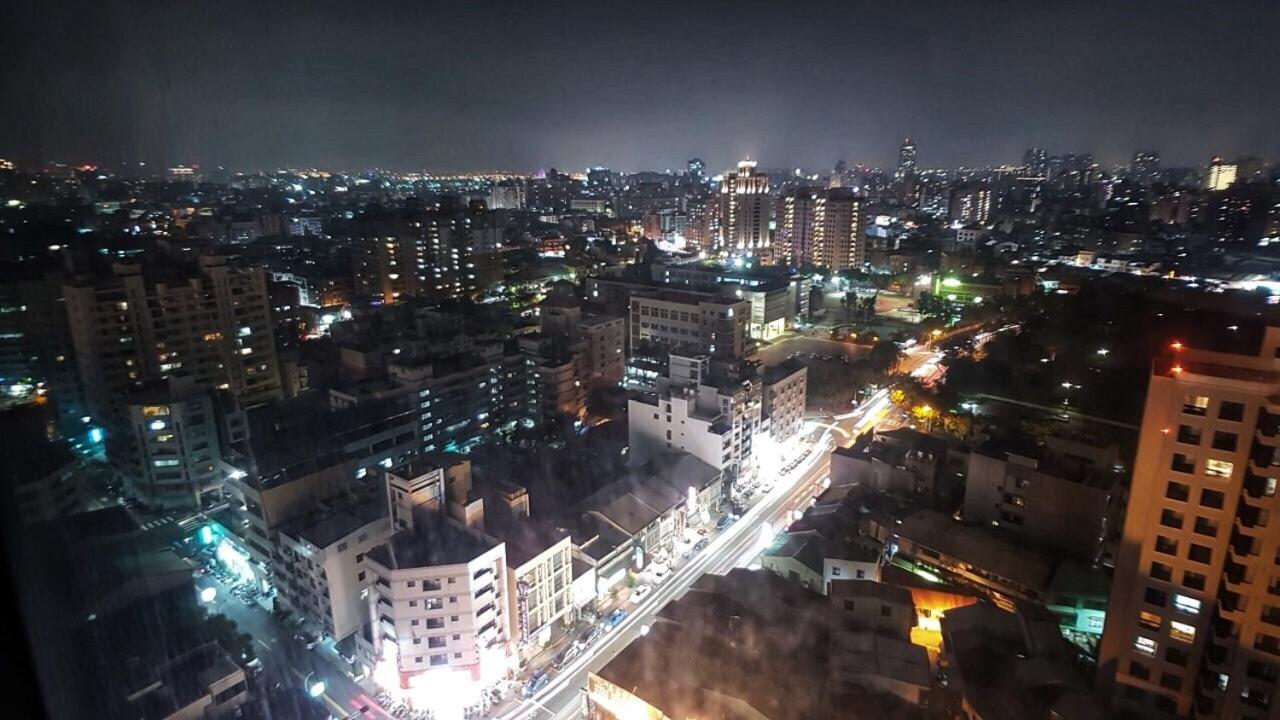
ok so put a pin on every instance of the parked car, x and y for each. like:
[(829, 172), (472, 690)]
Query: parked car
[(535, 683), (614, 619), (640, 593), (724, 522), (254, 667), (700, 545), (307, 638)]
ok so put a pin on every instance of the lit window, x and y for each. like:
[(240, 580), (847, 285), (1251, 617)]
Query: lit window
[(1218, 468), (1149, 620), (1188, 605), (1182, 631), (1144, 645)]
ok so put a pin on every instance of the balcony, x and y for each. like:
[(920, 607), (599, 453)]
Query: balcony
[(1231, 609), (1251, 520)]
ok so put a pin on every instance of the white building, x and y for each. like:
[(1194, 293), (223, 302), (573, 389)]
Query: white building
[(784, 395), (712, 418), (690, 322), (318, 570)]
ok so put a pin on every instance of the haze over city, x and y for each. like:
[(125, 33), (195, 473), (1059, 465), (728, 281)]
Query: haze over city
[(518, 86)]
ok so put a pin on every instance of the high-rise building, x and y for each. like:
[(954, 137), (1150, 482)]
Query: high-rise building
[(970, 203), (1036, 162), (507, 195), (744, 212), (1193, 626), (697, 171), (175, 450), (906, 160), (839, 228), (1220, 175), (213, 327), (425, 254), (1146, 167), (795, 226)]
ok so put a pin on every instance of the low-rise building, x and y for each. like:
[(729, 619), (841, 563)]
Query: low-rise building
[(876, 606), (1057, 494), (901, 460), (203, 683), (935, 543), (1014, 665)]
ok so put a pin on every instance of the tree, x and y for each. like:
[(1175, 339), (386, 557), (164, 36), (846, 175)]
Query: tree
[(885, 356)]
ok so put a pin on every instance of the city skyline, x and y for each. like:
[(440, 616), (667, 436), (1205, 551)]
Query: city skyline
[(323, 87)]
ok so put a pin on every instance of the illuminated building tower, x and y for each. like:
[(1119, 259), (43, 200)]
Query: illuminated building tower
[(698, 171), (795, 226), (1193, 626), (839, 227), (744, 212), (970, 204), (1220, 175), (1146, 167), (906, 160), (1036, 162)]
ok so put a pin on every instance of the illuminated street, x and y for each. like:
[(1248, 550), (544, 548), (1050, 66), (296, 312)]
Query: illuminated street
[(738, 546)]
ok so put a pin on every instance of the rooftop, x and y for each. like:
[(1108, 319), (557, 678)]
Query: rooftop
[(431, 544), (977, 547)]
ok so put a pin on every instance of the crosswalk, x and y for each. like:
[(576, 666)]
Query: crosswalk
[(157, 522)]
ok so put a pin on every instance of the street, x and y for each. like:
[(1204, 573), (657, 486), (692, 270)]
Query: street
[(286, 660)]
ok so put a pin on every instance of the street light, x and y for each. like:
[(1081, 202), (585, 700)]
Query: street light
[(315, 686)]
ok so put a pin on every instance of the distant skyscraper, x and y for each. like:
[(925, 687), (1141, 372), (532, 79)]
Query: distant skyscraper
[(1220, 175), (1036, 161), (744, 212), (906, 159), (970, 204), (698, 170), (1146, 166), (1193, 624)]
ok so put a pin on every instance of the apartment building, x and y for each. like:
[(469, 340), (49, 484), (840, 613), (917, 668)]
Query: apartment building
[(211, 325), (175, 445), (783, 398), (713, 417), (1193, 628), (317, 569), (437, 600)]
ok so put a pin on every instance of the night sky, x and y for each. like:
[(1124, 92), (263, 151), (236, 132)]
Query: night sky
[(642, 85)]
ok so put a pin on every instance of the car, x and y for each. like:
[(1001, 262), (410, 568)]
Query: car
[(308, 639), (254, 667), (640, 593), (535, 683), (701, 545), (724, 522), (591, 635), (615, 618)]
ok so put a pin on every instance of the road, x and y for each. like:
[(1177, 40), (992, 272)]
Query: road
[(287, 661), (738, 546), (818, 344)]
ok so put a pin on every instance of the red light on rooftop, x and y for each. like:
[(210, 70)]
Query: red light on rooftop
[(1165, 431), (1176, 369), (1176, 345)]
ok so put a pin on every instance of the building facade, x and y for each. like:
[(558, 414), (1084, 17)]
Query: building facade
[(1193, 628)]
